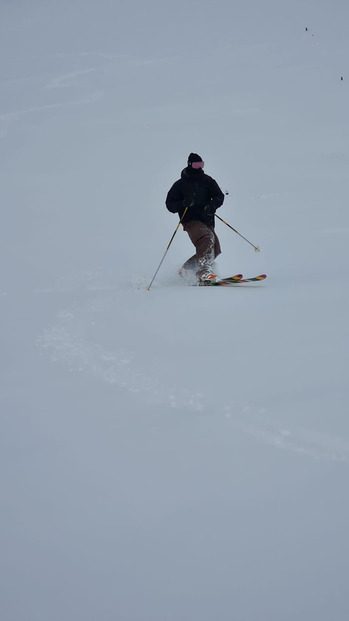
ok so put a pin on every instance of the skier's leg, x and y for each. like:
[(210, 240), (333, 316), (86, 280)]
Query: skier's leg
[(204, 240), (217, 246), (190, 264)]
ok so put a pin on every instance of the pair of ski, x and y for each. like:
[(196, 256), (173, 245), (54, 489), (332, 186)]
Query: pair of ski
[(232, 280)]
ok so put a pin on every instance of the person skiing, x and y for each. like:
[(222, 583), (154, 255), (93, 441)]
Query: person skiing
[(195, 197)]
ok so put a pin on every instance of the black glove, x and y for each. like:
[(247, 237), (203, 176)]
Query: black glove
[(210, 209), (189, 202)]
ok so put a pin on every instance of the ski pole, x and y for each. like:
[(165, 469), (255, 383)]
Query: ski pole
[(168, 246), (256, 248)]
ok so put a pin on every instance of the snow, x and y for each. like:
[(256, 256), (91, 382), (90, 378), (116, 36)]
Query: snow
[(180, 453)]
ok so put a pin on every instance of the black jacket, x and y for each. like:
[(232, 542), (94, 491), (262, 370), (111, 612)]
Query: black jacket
[(197, 191)]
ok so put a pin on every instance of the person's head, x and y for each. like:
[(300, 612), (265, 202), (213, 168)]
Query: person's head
[(195, 161)]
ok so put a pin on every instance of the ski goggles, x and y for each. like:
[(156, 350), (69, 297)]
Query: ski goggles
[(198, 164)]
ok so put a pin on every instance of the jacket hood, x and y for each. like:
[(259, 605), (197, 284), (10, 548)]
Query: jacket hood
[(189, 172)]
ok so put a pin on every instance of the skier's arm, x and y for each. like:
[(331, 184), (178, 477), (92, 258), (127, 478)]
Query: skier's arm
[(174, 200), (217, 197)]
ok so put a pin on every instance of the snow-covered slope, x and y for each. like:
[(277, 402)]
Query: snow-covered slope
[(180, 453)]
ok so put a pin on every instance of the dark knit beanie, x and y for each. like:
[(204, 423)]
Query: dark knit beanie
[(194, 157)]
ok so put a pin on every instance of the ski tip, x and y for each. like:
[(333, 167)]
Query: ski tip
[(255, 279)]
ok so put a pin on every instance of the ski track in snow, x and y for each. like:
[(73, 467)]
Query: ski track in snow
[(67, 79), (96, 96), (64, 80), (68, 341), (305, 442)]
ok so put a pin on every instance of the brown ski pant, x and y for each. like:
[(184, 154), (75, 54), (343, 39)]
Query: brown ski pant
[(206, 244)]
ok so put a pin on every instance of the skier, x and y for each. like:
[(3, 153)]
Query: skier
[(202, 196)]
